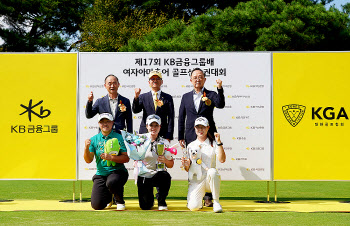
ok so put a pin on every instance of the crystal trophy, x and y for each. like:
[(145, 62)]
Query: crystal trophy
[(160, 151), (184, 155)]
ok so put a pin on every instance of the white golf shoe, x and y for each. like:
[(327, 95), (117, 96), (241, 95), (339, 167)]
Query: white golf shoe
[(217, 207), (120, 206)]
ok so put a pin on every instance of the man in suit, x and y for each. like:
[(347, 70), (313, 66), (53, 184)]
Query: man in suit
[(155, 102), (112, 103), (196, 103)]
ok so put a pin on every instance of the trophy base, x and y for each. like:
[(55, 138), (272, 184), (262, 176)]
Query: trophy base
[(161, 167)]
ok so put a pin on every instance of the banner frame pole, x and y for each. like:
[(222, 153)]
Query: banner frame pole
[(73, 191), (81, 191), (268, 191), (275, 191)]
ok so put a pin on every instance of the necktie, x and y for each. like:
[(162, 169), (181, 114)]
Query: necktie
[(155, 101)]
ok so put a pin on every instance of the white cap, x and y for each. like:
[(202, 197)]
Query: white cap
[(201, 121), (153, 118), (105, 115)]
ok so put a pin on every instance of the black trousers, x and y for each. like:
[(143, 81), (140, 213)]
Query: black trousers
[(105, 186), (161, 180)]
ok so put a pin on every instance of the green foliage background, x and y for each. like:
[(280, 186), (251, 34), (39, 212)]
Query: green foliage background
[(257, 25)]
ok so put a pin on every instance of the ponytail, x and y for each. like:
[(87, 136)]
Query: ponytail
[(211, 139)]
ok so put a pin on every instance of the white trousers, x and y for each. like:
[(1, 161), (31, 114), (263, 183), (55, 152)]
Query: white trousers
[(197, 189)]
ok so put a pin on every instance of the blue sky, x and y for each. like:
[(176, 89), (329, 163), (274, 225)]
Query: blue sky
[(338, 3)]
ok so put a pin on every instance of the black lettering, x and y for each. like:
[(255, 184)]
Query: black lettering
[(13, 129), (22, 129), (316, 113), (342, 113), (332, 115)]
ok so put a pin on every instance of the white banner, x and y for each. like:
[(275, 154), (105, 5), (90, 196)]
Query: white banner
[(244, 123)]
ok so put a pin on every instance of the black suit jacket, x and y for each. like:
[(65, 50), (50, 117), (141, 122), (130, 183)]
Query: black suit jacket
[(122, 120), (166, 112), (188, 113)]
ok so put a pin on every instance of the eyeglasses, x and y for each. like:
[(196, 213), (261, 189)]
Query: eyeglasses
[(198, 78), (112, 83)]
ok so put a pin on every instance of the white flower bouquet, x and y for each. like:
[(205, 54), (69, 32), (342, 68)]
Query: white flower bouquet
[(136, 145)]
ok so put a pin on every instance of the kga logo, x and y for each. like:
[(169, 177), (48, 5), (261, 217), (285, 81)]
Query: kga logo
[(29, 109), (328, 113), (293, 113)]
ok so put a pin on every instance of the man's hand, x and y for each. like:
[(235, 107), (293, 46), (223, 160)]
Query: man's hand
[(91, 97), (137, 92), (219, 83)]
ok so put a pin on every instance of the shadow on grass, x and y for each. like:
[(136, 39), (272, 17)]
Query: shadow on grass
[(257, 199), (77, 200), (285, 199), (264, 198)]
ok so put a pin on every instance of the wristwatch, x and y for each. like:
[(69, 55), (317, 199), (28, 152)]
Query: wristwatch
[(220, 144)]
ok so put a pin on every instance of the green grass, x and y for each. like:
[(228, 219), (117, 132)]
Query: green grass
[(244, 190)]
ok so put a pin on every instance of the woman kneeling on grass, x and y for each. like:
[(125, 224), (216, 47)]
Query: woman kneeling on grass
[(208, 178), (110, 178), (153, 178)]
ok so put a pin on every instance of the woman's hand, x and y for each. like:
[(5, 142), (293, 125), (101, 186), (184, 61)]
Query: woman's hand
[(161, 159), (186, 163), (87, 143), (217, 138), (106, 156)]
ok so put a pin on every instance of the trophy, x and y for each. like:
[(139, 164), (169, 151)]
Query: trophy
[(160, 151), (184, 155)]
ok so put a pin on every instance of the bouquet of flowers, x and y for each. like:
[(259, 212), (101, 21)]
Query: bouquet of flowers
[(136, 145)]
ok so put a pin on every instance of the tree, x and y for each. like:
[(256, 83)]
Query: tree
[(346, 8), (109, 24), (264, 25), (182, 9), (40, 25)]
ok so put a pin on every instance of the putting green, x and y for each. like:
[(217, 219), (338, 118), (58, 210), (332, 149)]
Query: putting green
[(180, 205)]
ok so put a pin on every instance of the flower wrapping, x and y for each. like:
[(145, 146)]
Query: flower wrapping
[(136, 147)]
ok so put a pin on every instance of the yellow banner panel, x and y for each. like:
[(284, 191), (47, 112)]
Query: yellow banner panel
[(38, 116), (311, 110)]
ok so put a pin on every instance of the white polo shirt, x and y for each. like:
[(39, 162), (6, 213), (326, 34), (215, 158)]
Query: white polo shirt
[(208, 152)]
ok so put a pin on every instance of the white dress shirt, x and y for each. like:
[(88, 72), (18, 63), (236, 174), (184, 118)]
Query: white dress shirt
[(197, 97), (158, 94), (113, 104)]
